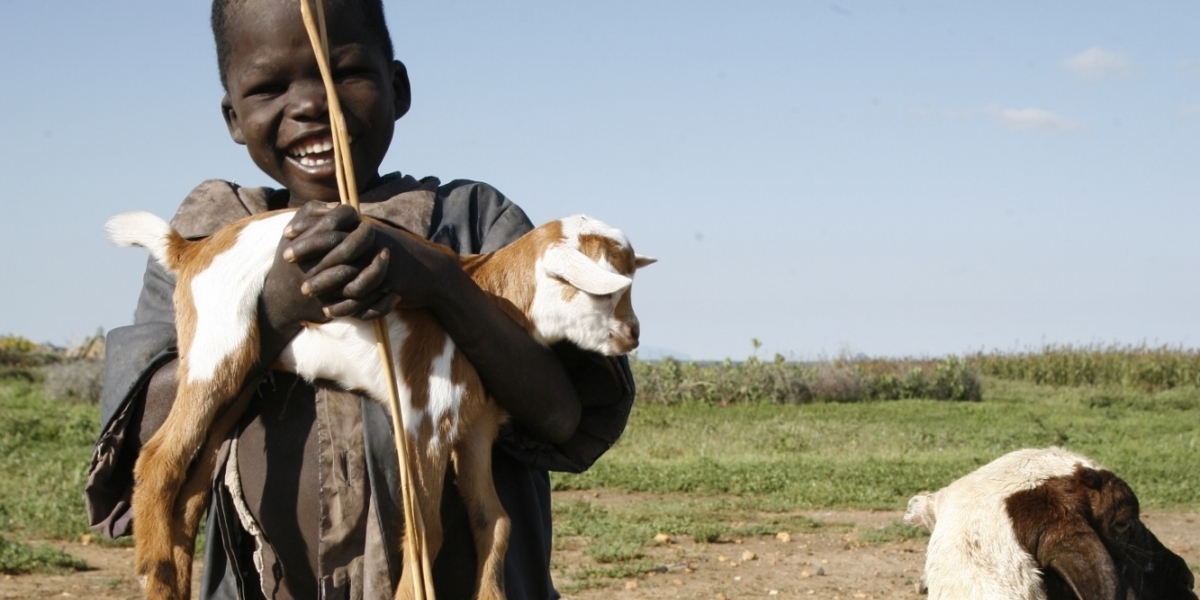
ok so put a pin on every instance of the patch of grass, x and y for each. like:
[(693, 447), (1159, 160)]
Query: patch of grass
[(896, 531), (776, 459), (614, 535), (44, 452), (876, 455), (17, 558)]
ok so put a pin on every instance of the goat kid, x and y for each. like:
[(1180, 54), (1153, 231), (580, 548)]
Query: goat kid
[(1043, 524), (567, 280)]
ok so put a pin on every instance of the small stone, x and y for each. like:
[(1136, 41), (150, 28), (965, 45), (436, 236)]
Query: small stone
[(722, 596), (748, 555), (631, 585), (737, 578), (820, 571), (676, 582), (722, 558), (783, 536), (773, 593), (860, 595), (85, 539), (805, 574), (662, 538)]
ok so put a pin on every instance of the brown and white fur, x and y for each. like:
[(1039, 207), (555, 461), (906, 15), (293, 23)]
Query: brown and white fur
[(566, 280), (1043, 524)]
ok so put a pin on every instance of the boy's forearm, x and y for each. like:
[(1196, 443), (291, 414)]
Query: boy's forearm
[(526, 378)]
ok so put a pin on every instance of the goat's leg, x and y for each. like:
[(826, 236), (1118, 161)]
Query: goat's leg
[(193, 499), (161, 471), (430, 458), (489, 523)]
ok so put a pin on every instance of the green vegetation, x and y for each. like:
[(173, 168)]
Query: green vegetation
[(45, 447), (729, 450), (780, 439), (1137, 367), (876, 455), (780, 382), (17, 558)]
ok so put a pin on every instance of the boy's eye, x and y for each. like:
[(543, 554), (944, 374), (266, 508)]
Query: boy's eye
[(353, 72), (267, 88)]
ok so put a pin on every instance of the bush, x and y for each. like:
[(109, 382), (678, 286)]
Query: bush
[(78, 380), (782, 382)]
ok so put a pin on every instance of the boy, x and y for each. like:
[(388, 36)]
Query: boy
[(304, 505)]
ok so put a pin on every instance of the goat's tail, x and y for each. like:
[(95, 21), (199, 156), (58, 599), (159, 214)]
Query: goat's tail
[(143, 229)]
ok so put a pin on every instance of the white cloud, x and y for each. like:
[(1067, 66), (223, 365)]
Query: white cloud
[(1098, 63), (1033, 119)]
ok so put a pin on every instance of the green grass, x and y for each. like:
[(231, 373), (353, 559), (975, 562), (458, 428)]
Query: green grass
[(725, 466), (776, 459), (45, 447), (17, 558), (876, 455)]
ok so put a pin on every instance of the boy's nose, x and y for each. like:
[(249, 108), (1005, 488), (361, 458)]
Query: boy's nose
[(308, 100)]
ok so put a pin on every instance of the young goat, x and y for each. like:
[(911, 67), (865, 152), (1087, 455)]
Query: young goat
[(1043, 524), (566, 280)]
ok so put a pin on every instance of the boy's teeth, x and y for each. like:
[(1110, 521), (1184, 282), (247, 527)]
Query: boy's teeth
[(314, 162), (313, 148)]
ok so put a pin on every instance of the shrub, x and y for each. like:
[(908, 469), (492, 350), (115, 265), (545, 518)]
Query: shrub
[(79, 380), (781, 382)]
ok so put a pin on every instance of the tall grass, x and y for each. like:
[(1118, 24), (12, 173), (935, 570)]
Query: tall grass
[(1140, 367), (671, 382)]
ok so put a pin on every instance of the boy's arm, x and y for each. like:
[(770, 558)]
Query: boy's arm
[(524, 377)]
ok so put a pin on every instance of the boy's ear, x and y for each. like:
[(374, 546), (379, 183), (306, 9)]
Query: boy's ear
[(401, 88), (231, 120)]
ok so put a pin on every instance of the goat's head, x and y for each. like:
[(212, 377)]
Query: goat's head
[(1085, 532), (583, 284)]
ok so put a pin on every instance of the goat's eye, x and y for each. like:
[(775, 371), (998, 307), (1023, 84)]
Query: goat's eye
[(1120, 527), (602, 297)]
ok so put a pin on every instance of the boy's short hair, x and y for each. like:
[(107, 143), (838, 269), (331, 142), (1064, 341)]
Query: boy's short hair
[(225, 11)]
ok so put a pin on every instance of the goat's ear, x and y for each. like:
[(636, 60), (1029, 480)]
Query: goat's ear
[(640, 261), (920, 511), (1081, 559), (580, 271)]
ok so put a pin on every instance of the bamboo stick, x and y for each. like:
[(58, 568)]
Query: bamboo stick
[(414, 525)]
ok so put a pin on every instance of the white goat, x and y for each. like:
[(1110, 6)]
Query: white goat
[(566, 280), (1043, 524)]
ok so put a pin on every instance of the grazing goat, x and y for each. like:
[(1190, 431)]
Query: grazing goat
[(1043, 524), (566, 280)]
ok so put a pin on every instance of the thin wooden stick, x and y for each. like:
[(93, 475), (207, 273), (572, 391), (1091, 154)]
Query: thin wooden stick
[(348, 192)]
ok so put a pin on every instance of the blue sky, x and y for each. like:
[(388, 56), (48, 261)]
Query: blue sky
[(866, 177)]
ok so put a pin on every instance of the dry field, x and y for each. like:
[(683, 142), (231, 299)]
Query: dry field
[(831, 562)]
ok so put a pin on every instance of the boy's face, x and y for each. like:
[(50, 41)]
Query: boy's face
[(276, 104)]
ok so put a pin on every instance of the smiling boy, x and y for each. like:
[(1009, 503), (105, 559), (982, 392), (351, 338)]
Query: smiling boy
[(304, 506)]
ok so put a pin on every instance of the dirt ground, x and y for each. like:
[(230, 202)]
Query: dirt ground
[(824, 564)]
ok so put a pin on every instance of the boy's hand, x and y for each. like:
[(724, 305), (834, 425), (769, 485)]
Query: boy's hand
[(339, 262)]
